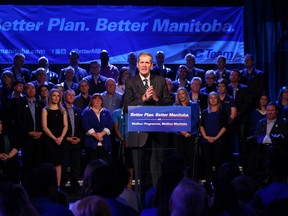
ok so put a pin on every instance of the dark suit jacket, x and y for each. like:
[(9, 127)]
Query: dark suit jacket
[(242, 102), (25, 73), (25, 121), (78, 132), (225, 75), (167, 72), (280, 128), (256, 86), (134, 90), (82, 73), (74, 86), (196, 72), (90, 120), (51, 76), (176, 86), (93, 88)]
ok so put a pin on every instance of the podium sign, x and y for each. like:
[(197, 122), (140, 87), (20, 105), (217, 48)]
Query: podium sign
[(159, 118)]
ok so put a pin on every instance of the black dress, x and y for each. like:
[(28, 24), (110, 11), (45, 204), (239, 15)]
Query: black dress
[(54, 152)]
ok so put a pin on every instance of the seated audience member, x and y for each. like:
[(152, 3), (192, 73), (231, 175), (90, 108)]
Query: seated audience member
[(9, 162), (93, 205), (160, 68), (68, 82), (128, 196), (107, 69), (83, 98), (95, 79), (182, 80), (51, 76), (188, 198), (170, 89), (17, 68), (122, 77), (271, 136), (79, 73), (100, 179), (277, 187), (246, 188), (210, 82), (15, 201), (41, 186)]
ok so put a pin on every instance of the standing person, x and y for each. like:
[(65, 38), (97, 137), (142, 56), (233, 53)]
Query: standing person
[(97, 124), (254, 79), (132, 64), (228, 104), (17, 68), (213, 127), (210, 82), (95, 79), (182, 80), (40, 79), (160, 68), (72, 143), (79, 72), (196, 95), (68, 82), (83, 98), (107, 69), (121, 79), (145, 89), (55, 126), (111, 98), (185, 140), (192, 70), (222, 71), (30, 129), (51, 76), (43, 92)]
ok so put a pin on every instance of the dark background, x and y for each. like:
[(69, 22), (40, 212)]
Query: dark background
[(266, 32)]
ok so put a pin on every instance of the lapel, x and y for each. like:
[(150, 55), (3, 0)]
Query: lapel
[(140, 85)]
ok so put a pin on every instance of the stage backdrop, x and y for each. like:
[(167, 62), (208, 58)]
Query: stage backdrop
[(53, 31)]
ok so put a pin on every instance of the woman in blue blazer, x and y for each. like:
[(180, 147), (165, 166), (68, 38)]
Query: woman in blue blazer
[(97, 123)]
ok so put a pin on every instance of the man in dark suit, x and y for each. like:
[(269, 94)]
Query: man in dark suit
[(254, 79), (240, 94), (141, 90), (161, 69), (28, 119), (192, 70), (72, 144), (272, 136), (17, 68), (80, 73), (51, 76), (95, 79)]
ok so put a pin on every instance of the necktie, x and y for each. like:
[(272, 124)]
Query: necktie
[(146, 84)]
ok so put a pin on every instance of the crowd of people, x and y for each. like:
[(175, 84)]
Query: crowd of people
[(74, 125)]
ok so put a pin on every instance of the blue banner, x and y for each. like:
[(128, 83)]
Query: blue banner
[(53, 31), (159, 118)]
